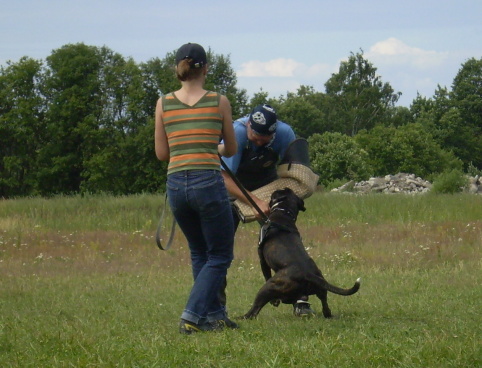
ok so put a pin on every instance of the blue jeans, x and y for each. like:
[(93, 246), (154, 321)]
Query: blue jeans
[(200, 204)]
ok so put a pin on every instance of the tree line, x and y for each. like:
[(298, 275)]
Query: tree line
[(82, 121)]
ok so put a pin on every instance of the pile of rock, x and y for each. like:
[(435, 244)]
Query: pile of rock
[(475, 185), (401, 183)]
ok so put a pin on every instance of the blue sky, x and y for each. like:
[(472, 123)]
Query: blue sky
[(273, 45)]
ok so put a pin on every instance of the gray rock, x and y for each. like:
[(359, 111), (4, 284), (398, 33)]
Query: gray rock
[(400, 183)]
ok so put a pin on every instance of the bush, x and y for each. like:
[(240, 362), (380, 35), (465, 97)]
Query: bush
[(453, 181), (409, 148), (335, 156)]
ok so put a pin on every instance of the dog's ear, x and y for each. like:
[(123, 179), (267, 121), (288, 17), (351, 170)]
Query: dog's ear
[(276, 194), (301, 204)]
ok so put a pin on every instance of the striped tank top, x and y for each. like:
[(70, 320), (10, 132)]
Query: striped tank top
[(193, 132)]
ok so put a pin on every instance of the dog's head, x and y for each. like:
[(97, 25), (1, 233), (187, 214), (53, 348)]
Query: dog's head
[(286, 200)]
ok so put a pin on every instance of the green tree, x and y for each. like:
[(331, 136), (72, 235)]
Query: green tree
[(158, 79), (21, 126), (126, 166), (466, 97), (303, 111), (100, 115), (73, 93), (454, 117), (400, 115), (336, 156), (357, 98), (467, 91), (119, 166)]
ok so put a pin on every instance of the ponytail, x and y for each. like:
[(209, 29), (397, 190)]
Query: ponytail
[(185, 72)]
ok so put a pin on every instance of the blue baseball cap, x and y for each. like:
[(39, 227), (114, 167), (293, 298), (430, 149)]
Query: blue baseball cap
[(263, 119)]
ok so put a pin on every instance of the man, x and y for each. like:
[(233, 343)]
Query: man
[(262, 142)]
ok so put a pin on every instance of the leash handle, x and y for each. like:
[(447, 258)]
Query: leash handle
[(243, 190), (166, 227)]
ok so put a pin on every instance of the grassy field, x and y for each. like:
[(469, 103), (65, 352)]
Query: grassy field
[(82, 284)]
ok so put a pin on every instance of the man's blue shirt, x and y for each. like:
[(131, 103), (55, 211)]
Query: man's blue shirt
[(283, 136)]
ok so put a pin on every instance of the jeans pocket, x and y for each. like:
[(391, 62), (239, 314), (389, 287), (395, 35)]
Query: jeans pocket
[(172, 195), (212, 199)]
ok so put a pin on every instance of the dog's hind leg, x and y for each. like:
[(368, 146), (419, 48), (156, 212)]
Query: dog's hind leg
[(262, 298), (274, 289), (323, 296)]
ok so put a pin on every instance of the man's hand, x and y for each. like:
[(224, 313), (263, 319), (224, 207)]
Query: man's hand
[(263, 206)]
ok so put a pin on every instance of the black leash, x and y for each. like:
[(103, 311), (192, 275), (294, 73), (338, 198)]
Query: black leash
[(160, 230), (265, 223), (244, 191)]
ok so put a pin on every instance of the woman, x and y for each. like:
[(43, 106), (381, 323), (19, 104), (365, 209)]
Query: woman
[(189, 125)]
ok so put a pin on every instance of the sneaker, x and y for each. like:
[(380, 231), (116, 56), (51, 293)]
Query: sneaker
[(302, 309), (187, 327)]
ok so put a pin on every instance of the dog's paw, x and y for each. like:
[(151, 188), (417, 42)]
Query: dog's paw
[(275, 302), (245, 317)]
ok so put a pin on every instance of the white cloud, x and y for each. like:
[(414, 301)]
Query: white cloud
[(407, 68), (281, 67), (279, 76), (275, 86), (395, 52), (273, 68)]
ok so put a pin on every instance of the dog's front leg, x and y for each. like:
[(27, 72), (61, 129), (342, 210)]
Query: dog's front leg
[(264, 266)]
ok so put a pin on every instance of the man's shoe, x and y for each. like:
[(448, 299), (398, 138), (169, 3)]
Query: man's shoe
[(188, 328), (302, 309)]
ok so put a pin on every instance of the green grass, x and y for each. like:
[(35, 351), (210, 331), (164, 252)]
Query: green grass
[(82, 284)]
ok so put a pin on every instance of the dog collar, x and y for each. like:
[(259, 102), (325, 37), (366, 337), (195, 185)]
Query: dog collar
[(275, 208)]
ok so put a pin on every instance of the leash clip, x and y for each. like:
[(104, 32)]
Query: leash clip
[(263, 231)]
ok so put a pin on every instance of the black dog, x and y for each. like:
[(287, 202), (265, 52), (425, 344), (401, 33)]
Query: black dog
[(282, 251)]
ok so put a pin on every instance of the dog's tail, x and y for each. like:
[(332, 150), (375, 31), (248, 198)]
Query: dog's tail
[(337, 290)]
